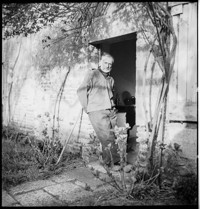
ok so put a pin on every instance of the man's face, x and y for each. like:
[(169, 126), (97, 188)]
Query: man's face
[(106, 64)]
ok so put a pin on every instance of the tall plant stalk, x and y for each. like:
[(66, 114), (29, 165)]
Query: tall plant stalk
[(150, 91), (11, 86), (58, 99), (162, 20)]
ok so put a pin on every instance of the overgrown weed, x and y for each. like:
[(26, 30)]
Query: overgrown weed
[(24, 158), (142, 181)]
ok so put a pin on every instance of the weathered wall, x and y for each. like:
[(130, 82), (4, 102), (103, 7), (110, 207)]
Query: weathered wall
[(113, 24), (183, 89), (182, 97), (182, 103), (36, 77), (185, 135)]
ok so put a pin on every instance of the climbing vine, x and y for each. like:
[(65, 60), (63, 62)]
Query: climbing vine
[(163, 49)]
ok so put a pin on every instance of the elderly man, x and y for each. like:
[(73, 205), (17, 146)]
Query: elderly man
[(96, 97)]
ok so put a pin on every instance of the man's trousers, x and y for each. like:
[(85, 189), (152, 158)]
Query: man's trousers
[(103, 121)]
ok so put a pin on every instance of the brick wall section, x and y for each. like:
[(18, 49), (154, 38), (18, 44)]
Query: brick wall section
[(35, 91)]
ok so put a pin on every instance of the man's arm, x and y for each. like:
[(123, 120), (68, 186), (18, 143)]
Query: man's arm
[(82, 91)]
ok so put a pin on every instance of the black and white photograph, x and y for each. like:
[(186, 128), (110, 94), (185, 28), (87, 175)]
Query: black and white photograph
[(99, 104)]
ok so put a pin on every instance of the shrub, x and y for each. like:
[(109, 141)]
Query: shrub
[(187, 188)]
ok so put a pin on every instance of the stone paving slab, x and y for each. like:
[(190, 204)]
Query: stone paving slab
[(61, 190), (67, 192), (30, 186), (38, 198), (82, 184), (82, 174), (7, 200), (65, 177)]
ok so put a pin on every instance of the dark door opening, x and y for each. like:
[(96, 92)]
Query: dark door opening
[(123, 49)]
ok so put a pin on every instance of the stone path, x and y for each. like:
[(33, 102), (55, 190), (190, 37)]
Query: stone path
[(59, 190)]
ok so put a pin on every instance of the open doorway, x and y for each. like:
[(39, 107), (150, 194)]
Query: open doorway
[(123, 49)]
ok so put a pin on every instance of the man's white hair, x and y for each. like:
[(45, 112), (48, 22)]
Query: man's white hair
[(107, 55)]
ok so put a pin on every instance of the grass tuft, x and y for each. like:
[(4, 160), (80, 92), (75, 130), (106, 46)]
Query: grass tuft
[(21, 161)]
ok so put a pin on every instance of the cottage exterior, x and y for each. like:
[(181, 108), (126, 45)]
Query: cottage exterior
[(32, 78)]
